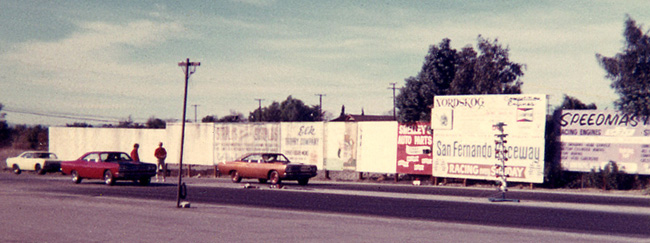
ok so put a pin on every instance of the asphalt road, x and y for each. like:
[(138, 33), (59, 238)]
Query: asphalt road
[(587, 217)]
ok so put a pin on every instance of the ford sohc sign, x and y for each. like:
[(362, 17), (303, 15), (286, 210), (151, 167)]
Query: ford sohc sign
[(464, 136), (592, 138)]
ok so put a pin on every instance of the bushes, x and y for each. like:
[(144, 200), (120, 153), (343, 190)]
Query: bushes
[(610, 177)]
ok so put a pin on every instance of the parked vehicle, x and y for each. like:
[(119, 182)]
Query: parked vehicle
[(271, 167), (39, 161), (109, 166)]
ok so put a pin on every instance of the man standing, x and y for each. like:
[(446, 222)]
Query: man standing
[(161, 155), (134, 153)]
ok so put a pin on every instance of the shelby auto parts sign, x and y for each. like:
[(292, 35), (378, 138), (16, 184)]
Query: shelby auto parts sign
[(592, 138), (464, 136)]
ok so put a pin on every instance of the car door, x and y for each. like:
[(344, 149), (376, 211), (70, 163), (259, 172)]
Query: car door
[(27, 161), (88, 166), (247, 166)]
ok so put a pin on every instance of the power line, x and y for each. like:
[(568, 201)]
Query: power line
[(65, 116)]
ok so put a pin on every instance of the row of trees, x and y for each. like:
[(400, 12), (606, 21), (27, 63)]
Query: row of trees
[(23, 136)]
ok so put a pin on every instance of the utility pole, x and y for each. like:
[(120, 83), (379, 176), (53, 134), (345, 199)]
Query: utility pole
[(189, 68), (394, 103), (195, 120), (320, 104), (259, 113)]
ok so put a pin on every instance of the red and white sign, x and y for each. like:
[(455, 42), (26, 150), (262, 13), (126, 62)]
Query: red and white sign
[(414, 142)]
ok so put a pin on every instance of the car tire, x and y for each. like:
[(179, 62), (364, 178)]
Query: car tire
[(303, 182), (39, 170), (144, 181), (108, 178), (263, 181), (235, 177), (75, 177), (274, 177), (16, 169)]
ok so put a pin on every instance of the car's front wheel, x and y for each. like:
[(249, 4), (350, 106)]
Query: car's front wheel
[(75, 177), (108, 178), (274, 177), (16, 169), (235, 177)]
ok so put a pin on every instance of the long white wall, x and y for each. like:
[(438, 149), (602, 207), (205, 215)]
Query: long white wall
[(363, 147), (69, 143)]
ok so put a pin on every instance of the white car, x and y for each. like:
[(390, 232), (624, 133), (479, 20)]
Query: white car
[(39, 161)]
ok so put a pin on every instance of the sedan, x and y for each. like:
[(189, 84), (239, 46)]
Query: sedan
[(39, 161), (109, 166), (272, 167)]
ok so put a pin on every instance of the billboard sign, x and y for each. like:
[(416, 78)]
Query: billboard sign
[(414, 142), (232, 141), (592, 138), (302, 142), (463, 144)]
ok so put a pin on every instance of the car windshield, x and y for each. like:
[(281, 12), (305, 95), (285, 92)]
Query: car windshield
[(110, 157)]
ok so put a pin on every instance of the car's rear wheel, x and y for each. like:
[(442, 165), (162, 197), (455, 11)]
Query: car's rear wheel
[(263, 181), (303, 182), (16, 169), (108, 178), (274, 177), (235, 177), (75, 177), (39, 169)]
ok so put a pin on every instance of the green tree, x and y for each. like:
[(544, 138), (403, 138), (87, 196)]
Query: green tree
[(630, 71), (153, 122), (5, 130), (289, 110), (447, 71), (554, 175), (572, 103), (28, 137), (209, 119), (233, 117), (78, 124)]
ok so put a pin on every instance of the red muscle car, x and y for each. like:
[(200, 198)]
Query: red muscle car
[(272, 167), (109, 166)]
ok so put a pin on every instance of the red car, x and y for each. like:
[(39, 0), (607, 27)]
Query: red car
[(109, 166)]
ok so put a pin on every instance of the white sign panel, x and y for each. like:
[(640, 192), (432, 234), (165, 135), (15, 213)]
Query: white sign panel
[(302, 142), (233, 140), (464, 136)]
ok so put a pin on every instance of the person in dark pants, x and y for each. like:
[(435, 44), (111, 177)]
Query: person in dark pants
[(161, 155)]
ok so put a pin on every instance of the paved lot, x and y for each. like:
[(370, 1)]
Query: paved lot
[(50, 217)]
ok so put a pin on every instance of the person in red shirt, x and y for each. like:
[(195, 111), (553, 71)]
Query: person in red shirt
[(161, 155), (134, 153)]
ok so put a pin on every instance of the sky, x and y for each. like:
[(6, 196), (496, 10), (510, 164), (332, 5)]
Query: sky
[(101, 62)]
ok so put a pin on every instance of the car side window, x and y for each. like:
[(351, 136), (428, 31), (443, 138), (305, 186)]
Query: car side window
[(91, 158), (255, 158)]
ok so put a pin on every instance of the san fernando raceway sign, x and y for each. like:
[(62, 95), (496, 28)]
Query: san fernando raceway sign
[(592, 138), (464, 136)]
